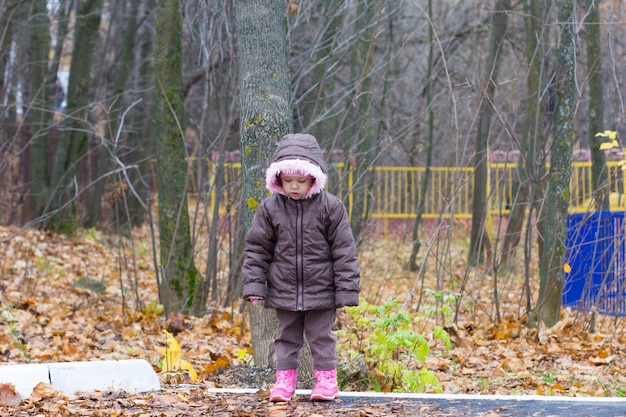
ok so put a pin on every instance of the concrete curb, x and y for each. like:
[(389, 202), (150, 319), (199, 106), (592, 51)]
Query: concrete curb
[(137, 375), (129, 375)]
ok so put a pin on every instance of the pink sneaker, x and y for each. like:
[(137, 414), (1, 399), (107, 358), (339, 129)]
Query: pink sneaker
[(326, 388), (285, 385)]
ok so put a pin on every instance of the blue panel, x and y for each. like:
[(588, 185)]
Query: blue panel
[(596, 254)]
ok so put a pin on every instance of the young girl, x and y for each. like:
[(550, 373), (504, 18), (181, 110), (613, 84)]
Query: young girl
[(301, 259)]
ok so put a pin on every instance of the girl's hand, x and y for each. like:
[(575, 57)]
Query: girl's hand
[(254, 299)]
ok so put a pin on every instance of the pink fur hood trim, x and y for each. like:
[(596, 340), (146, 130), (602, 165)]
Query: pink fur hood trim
[(295, 167)]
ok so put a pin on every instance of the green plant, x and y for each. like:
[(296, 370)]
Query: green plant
[(618, 392), (393, 351), (613, 388), (92, 235), (443, 303), (483, 385), (18, 339)]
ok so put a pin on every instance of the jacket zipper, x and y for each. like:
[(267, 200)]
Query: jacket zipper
[(299, 260)]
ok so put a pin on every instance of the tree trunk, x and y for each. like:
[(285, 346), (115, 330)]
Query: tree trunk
[(41, 110), (479, 241), (266, 116), (361, 140), (7, 17), (599, 174), (114, 132), (548, 306), (73, 139), (179, 278), (415, 242), (322, 75), (142, 126), (529, 165)]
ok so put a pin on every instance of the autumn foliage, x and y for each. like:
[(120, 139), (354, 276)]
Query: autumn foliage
[(71, 299)]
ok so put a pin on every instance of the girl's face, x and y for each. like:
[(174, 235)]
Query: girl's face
[(296, 187)]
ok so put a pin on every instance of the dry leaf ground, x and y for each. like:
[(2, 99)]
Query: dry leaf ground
[(75, 299)]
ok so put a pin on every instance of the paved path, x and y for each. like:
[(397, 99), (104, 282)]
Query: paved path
[(460, 405), (468, 405), (138, 376)]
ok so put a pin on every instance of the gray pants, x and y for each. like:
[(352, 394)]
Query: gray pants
[(317, 325)]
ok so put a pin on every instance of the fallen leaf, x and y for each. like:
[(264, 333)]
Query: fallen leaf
[(597, 360), (43, 390), (263, 393), (176, 323), (8, 396), (278, 410), (173, 362)]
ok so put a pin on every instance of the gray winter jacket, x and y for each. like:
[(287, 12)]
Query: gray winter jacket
[(301, 254)]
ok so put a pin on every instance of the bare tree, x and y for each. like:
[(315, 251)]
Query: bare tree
[(421, 202), (42, 87), (480, 240), (548, 307), (265, 118), (74, 137), (179, 285), (596, 105), (114, 114), (527, 190), (355, 70)]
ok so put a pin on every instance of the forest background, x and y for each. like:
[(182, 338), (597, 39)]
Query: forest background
[(380, 83)]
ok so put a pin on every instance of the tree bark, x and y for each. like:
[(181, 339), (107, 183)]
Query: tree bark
[(41, 87), (179, 278), (333, 12), (480, 241), (599, 175), (141, 126), (360, 141), (421, 203), (527, 189), (122, 73), (266, 115), (73, 139), (548, 307)]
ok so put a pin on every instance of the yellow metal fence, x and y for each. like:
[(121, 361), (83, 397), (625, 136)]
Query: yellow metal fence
[(394, 191)]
